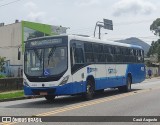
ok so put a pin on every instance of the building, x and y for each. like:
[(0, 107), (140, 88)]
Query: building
[(12, 39)]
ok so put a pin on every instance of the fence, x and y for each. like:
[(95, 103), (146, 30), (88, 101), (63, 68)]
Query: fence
[(155, 71), (8, 84)]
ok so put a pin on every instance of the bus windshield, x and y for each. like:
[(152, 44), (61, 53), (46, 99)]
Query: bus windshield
[(50, 61)]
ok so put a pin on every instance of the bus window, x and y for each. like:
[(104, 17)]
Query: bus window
[(89, 57), (118, 50), (77, 56), (142, 56), (106, 49), (109, 57), (88, 47), (131, 52), (113, 50), (134, 52)]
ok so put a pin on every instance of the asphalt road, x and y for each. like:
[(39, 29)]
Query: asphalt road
[(143, 100)]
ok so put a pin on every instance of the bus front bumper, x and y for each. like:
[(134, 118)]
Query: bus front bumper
[(67, 89)]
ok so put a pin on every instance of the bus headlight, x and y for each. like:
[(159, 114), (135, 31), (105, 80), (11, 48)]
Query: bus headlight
[(64, 81), (25, 83)]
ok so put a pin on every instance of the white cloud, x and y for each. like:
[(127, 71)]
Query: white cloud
[(31, 5), (87, 2), (33, 12), (36, 17), (133, 7)]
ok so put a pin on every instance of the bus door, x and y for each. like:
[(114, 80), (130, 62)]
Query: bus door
[(77, 66)]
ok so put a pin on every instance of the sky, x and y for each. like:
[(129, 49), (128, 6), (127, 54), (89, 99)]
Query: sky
[(131, 18)]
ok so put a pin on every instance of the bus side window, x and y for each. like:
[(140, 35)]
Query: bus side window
[(77, 56), (142, 56), (72, 55)]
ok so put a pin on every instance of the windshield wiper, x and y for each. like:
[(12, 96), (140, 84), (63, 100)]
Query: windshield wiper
[(51, 54), (38, 55)]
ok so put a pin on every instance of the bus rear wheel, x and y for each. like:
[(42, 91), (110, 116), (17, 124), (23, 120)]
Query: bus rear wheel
[(49, 97), (127, 87), (89, 90)]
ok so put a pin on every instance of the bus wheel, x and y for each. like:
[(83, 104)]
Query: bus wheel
[(129, 82), (49, 97), (89, 90), (127, 87)]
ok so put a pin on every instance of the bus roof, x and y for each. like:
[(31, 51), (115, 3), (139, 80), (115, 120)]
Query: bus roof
[(95, 40), (91, 39)]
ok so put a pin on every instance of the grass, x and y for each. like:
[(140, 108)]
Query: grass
[(12, 94)]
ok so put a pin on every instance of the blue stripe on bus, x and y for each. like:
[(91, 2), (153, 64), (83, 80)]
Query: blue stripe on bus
[(109, 82)]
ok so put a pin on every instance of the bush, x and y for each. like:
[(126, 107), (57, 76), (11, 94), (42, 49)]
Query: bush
[(155, 75), (2, 76)]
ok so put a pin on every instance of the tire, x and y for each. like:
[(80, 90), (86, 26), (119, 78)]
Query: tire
[(49, 97), (129, 83), (127, 87), (89, 90)]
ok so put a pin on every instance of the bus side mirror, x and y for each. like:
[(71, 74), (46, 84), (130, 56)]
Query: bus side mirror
[(19, 55)]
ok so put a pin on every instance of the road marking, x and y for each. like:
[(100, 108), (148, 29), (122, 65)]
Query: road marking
[(85, 104), (91, 103)]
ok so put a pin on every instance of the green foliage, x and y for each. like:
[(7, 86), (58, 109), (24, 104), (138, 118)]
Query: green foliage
[(36, 34), (9, 95), (2, 62), (148, 64), (155, 46), (2, 76), (154, 27), (155, 75), (155, 49)]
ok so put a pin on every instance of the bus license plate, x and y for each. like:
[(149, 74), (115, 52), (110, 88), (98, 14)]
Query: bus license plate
[(43, 93)]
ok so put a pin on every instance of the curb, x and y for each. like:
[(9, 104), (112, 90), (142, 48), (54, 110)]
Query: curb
[(20, 98)]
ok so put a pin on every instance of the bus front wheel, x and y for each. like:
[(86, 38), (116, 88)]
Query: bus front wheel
[(49, 97)]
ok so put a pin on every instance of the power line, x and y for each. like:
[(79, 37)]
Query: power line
[(9, 3)]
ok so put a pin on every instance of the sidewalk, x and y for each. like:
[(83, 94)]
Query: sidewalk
[(152, 79)]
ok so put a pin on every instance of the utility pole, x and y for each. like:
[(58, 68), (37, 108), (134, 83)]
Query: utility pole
[(99, 32), (99, 26), (106, 24)]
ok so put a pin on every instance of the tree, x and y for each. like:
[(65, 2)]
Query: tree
[(36, 34), (155, 46), (158, 52), (155, 27), (2, 62)]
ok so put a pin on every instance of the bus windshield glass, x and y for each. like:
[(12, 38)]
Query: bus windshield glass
[(45, 61)]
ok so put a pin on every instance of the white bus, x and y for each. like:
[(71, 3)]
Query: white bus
[(70, 65)]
